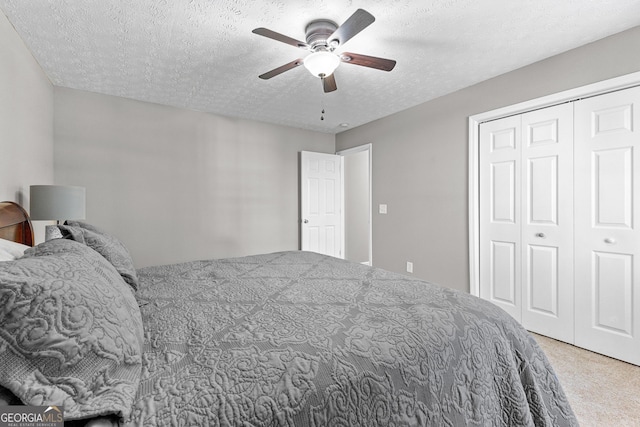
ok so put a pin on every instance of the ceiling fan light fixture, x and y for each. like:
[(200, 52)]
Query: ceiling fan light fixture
[(321, 64)]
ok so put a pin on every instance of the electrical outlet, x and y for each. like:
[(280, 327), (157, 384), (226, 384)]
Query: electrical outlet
[(409, 267)]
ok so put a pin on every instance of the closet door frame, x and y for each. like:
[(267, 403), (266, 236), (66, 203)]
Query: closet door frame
[(594, 89)]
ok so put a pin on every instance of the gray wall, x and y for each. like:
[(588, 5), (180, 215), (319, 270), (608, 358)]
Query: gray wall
[(420, 157), (26, 121), (178, 185)]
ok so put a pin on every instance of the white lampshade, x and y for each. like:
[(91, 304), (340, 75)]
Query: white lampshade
[(321, 64), (57, 202)]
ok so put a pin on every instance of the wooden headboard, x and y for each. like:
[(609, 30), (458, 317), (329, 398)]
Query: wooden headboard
[(15, 224)]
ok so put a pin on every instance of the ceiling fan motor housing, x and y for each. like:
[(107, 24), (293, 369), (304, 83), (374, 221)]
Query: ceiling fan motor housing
[(318, 32)]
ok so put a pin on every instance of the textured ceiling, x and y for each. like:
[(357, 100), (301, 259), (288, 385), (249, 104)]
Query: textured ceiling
[(202, 55)]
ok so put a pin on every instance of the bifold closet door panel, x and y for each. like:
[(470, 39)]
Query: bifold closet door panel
[(500, 206), (547, 221), (607, 204)]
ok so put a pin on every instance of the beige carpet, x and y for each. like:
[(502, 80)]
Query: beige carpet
[(602, 391)]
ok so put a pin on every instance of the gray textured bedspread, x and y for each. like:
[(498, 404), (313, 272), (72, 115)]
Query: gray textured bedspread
[(301, 339)]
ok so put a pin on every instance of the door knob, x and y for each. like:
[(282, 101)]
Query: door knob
[(610, 240), (306, 221), (541, 235)]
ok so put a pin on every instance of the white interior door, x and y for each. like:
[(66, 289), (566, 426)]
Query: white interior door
[(321, 203), (607, 252), (500, 204), (547, 221)]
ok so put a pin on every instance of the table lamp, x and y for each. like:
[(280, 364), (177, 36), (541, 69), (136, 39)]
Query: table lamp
[(56, 202)]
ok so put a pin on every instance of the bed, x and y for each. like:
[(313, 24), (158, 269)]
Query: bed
[(281, 339)]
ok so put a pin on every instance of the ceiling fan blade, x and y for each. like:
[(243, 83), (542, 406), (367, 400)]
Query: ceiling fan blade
[(357, 22), (281, 69), (368, 61), (280, 37), (329, 83)]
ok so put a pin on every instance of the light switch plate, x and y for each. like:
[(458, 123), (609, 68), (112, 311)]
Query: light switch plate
[(382, 209)]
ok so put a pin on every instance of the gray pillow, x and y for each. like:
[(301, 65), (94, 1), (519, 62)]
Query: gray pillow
[(70, 331), (106, 245)]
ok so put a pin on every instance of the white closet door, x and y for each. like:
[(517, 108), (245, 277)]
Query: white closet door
[(607, 203), (500, 206), (547, 221)]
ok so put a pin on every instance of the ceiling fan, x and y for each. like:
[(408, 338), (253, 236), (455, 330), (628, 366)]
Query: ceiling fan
[(323, 37)]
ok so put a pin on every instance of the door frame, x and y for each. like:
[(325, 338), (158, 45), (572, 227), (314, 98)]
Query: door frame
[(342, 153), (594, 89)]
